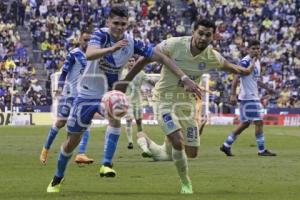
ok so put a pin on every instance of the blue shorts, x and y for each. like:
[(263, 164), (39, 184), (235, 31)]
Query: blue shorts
[(82, 114), (64, 107), (250, 110)]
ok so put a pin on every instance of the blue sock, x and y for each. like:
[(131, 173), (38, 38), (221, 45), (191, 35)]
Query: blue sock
[(230, 139), (51, 136), (260, 140), (62, 162), (84, 141), (111, 141)]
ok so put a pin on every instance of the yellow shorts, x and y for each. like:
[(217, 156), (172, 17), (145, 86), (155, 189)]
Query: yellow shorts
[(178, 116)]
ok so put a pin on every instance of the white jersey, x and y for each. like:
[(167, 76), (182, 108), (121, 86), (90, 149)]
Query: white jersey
[(248, 86), (74, 65), (100, 74)]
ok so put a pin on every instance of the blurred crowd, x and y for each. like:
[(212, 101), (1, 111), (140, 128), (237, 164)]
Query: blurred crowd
[(56, 24), (18, 84)]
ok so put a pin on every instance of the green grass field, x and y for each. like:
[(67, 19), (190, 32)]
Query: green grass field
[(214, 176)]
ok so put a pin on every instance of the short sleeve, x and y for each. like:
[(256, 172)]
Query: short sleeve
[(141, 49), (69, 62), (167, 47), (99, 38)]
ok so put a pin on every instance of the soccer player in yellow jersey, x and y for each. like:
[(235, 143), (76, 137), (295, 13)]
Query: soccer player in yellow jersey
[(134, 95), (174, 104)]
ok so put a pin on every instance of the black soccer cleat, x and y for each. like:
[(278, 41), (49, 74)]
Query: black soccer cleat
[(130, 145), (226, 150), (266, 152)]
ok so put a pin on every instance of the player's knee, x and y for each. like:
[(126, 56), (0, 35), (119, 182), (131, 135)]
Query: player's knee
[(176, 140), (259, 123), (60, 123), (192, 154), (115, 123), (71, 143), (246, 124)]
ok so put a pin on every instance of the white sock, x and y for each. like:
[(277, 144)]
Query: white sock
[(129, 133), (142, 142), (180, 161)]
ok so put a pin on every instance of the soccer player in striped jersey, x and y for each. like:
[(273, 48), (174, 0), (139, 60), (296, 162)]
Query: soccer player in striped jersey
[(174, 106), (66, 92), (250, 106), (108, 51)]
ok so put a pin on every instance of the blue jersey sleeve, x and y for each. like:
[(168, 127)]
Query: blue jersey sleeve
[(62, 79), (69, 62), (141, 49), (99, 38), (245, 63), (80, 57)]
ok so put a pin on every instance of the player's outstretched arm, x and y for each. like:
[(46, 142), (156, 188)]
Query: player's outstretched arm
[(94, 52), (236, 69)]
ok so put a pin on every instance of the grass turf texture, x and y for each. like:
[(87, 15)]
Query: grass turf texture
[(214, 176)]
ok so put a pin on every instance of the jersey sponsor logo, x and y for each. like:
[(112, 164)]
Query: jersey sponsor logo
[(168, 120), (202, 66)]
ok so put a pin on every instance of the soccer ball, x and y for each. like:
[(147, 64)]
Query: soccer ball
[(115, 104)]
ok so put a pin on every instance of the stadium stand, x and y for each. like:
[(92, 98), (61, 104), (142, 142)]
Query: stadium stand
[(36, 35)]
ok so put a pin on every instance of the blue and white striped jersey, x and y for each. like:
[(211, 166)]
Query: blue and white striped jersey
[(248, 86), (74, 66), (100, 74)]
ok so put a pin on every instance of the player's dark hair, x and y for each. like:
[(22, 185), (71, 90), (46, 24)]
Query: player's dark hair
[(253, 43), (86, 29), (118, 10), (204, 22)]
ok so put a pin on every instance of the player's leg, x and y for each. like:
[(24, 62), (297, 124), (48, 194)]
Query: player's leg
[(112, 135), (180, 160), (61, 112), (170, 125), (129, 132), (80, 119), (50, 138), (245, 118), (226, 147), (151, 149), (260, 140), (65, 154), (129, 118), (138, 116), (81, 157)]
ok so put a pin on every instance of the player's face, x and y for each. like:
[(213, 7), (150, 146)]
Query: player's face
[(202, 37), (117, 26), (130, 63), (254, 51), (84, 39)]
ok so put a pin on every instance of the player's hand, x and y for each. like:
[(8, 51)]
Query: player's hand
[(191, 86), (233, 99), (119, 45)]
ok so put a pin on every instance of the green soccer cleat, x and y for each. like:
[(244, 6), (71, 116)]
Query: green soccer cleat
[(55, 184), (186, 188), (147, 154), (106, 171)]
